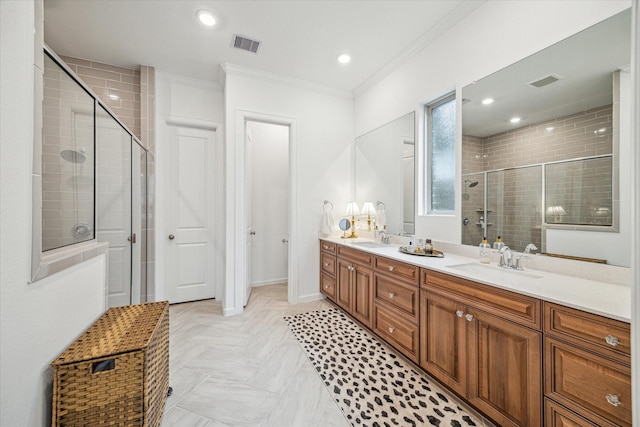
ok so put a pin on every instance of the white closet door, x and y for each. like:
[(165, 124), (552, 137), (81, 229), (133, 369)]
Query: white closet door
[(190, 262)]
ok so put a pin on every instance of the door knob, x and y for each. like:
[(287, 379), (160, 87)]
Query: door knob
[(171, 237)]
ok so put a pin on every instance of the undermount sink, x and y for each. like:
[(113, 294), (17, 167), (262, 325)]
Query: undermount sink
[(489, 271), (369, 244)]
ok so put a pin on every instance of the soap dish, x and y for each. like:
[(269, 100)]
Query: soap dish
[(435, 254)]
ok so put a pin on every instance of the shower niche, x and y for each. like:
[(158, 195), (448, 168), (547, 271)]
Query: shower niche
[(94, 184)]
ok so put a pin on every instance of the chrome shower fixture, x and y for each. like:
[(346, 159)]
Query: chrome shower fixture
[(473, 184), (74, 156)]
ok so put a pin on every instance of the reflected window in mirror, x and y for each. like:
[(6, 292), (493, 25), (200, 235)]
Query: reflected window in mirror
[(67, 160), (441, 143)]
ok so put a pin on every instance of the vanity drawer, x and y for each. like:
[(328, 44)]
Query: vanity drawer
[(398, 269), (356, 255), (597, 333), (400, 333), (328, 247), (396, 294), (509, 305), (595, 387), (328, 264), (558, 416), (328, 286)]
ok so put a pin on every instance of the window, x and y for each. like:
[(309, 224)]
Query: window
[(441, 143)]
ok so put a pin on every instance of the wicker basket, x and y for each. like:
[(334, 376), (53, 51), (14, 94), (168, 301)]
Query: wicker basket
[(117, 372)]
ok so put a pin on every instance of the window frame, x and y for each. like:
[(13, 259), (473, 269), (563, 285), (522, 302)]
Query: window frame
[(427, 142)]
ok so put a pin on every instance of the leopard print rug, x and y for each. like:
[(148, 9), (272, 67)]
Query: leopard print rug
[(371, 384)]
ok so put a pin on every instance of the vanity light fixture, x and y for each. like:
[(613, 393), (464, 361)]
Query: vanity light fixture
[(344, 58), (487, 101), (515, 119), (206, 17), (352, 210), (368, 209)]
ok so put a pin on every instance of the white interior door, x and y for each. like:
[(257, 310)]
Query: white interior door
[(248, 212), (190, 261)]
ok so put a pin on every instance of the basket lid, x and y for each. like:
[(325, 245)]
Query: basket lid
[(119, 330)]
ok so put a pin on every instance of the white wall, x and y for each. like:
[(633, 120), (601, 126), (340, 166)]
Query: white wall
[(322, 162), (495, 35), (188, 102), (37, 321), (270, 202)]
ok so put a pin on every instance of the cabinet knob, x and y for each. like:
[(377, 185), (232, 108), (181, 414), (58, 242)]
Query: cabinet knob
[(391, 268), (393, 329), (325, 246), (459, 313), (326, 264), (469, 317), (391, 295), (326, 286), (611, 340), (613, 399)]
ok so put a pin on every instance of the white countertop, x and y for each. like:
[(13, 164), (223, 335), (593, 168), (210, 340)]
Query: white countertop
[(602, 298)]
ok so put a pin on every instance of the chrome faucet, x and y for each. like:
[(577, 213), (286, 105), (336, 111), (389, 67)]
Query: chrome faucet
[(504, 261), (384, 238), (530, 247)]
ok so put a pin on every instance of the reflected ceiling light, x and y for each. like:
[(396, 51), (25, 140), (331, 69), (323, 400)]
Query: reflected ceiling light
[(515, 119), (113, 96), (549, 129), (344, 58), (487, 101), (206, 18)]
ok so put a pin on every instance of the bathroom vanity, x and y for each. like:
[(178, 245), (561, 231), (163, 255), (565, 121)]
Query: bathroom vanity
[(526, 348)]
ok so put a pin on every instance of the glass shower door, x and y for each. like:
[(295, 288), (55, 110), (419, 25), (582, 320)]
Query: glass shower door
[(113, 204)]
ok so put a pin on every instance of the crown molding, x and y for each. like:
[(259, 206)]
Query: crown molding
[(463, 10), (238, 70), (189, 81)]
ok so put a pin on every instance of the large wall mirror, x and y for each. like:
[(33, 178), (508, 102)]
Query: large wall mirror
[(385, 171), (541, 148)]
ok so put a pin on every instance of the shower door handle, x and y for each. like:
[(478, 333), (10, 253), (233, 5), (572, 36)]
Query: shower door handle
[(171, 237), (132, 238)]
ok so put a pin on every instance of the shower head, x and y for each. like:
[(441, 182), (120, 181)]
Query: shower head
[(473, 184), (74, 156)]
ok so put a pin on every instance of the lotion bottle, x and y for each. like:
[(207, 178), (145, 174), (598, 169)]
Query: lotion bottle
[(485, 252)]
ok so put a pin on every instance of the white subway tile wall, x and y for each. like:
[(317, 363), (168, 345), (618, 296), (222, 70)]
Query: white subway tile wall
[(67, 160), (117, 87)]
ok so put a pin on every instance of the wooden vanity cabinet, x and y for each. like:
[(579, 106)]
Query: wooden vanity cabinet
[(587, 366), (485, 344), (396, 302), (328, 266), (354, 284)]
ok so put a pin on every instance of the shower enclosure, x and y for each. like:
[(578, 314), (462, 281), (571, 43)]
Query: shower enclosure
[(94, 182)]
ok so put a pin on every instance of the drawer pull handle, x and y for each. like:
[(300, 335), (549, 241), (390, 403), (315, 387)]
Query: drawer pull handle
[(613, 399), (459, 313), (393, 329), (611, 340), (391, 295), (391, 268), (469, 317)]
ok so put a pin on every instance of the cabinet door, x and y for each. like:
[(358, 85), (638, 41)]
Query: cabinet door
[(343, 285), (362, 283), (443, 345), (505, 363)]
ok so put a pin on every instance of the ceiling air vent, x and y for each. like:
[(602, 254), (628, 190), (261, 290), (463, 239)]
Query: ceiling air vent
[(546, 80), (241, 42)]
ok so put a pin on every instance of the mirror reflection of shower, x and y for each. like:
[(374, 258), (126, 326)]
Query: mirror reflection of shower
[(74, 156), (471, 184)]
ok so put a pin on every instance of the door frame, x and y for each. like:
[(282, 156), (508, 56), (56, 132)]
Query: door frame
[(235, 218)]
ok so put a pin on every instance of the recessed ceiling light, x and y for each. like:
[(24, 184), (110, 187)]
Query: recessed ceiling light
[(487, 101), (206, 18), (344, 58), (515, 119)]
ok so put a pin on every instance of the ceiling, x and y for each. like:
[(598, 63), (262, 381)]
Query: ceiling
[(300, 39)]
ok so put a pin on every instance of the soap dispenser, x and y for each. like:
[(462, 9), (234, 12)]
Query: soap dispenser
[(485, 251), (498, 244)]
